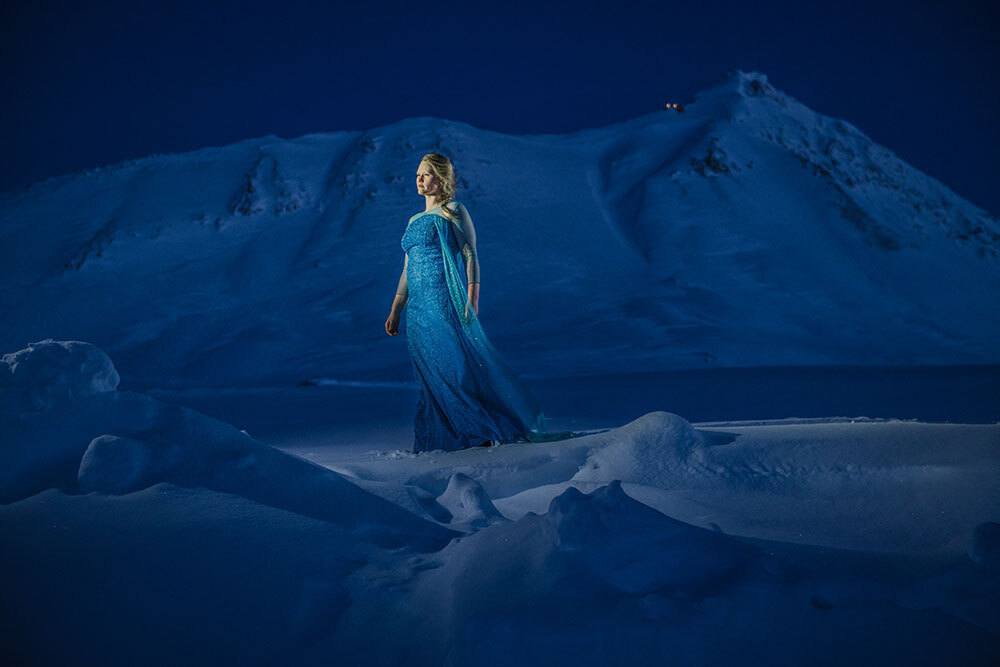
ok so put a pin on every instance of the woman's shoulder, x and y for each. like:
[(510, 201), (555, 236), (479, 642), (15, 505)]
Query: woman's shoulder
[(458, 208), (453, 207)]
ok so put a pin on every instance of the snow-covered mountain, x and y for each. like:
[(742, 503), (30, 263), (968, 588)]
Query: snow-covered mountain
[(747, 230)]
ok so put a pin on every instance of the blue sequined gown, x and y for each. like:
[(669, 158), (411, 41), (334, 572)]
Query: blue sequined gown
[(467, 394)]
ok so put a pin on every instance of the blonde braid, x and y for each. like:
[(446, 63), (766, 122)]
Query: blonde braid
[(444, 172)]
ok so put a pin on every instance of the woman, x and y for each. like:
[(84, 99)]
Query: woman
[(468, 395)]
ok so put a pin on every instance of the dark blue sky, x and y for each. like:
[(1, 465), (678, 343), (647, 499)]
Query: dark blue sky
[(90, 83)]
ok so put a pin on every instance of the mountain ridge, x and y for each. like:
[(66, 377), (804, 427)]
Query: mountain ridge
[(748, 230)]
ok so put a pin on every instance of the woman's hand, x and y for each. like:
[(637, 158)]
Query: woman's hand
[(472, 303), (469, 305), (392, 323)]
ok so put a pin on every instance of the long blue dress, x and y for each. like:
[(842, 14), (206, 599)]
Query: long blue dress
[(467, 393)]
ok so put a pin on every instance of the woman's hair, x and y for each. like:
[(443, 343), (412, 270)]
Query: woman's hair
[(444, 172)]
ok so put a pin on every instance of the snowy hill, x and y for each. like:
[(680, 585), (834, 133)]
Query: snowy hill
[(748, 230)]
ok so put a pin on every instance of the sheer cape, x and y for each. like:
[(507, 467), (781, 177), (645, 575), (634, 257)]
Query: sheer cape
[(499, 380), (503, 380)]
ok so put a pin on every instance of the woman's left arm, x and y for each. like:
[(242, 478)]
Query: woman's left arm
[(466, 236)]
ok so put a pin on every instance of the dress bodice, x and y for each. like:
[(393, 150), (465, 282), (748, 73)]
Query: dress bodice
[(421, 234), (425, 277), (422, 245)]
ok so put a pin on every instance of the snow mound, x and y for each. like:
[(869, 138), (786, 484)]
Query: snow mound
[(468, 503), (569, 585), (588, 543), (647, 451), (216, 456), (49, 371), (601, 578), (118, 465), (640, 550), (121, 442)]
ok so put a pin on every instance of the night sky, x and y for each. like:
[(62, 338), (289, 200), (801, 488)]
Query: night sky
[(92, 83)]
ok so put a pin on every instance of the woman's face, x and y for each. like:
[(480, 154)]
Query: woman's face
[(427, 183)]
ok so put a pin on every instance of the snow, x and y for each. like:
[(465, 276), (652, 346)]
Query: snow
[(465, 501), (166, 575), (295, 526), (148, 533), (49, 371), (119, 443)]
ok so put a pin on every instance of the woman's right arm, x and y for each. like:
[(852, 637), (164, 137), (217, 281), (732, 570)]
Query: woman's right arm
[(402, 294), (402, 288)]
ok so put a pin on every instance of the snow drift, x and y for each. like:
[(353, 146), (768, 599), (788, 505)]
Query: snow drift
[(120, 442), (140, 532)]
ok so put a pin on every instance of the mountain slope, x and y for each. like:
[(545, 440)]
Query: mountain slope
[(748, 230)]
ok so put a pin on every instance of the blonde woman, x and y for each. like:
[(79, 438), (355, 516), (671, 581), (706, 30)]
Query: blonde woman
[(468, 396)]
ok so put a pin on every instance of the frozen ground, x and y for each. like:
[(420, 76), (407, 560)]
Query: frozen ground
[(142, 532)]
